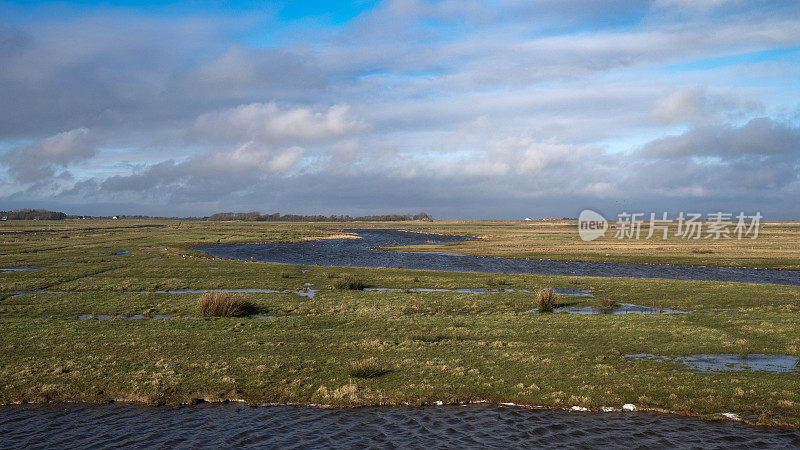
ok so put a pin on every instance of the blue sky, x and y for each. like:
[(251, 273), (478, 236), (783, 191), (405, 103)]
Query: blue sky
[(462, 109)]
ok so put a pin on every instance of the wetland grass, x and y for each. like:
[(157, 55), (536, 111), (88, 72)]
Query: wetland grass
[(546, 300), (453, 346), (225, 304), (367, 368), (606, 303), (350, 282)]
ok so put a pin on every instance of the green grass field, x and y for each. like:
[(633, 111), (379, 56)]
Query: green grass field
[(350, 347)]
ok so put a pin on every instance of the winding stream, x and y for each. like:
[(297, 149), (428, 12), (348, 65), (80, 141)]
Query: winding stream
[(362, 253)]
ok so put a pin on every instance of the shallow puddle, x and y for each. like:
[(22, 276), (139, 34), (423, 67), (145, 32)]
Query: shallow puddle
[(118, 316), (563, 291), (18, 269), (305, 292), (623, 308), (310, 293), (726, 362)]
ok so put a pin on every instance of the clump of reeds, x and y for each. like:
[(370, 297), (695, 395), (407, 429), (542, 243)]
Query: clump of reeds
[(367, 368), (546, 300), (350, 282), (330, 275), (225, 304), (496, 281), (606, 303)]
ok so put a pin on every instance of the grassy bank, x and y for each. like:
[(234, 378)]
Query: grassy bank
[(353, 347)]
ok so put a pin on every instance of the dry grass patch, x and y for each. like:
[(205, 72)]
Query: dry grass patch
[(225, 304), (546, 300), (350, 282)]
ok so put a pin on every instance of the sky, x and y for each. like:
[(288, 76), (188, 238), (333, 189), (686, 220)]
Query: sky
[(459, 108)]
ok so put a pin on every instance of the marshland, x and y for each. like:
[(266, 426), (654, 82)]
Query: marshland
[(104, 316)]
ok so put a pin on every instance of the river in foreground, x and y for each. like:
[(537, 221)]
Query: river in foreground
[(231, 425), (361, 253)]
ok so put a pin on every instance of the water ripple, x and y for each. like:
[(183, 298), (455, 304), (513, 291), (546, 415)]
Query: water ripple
[(214, 426), (362, 253)]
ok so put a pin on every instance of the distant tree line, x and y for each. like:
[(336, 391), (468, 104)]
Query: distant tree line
[(32, 214), (255, 216)]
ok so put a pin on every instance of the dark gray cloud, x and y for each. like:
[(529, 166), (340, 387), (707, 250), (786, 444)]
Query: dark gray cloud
[(757, 138), (118, 72), (759, 157)]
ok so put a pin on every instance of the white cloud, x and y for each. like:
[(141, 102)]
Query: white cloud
[(694, 5), (266, 122), (701, 105), (40, 158)]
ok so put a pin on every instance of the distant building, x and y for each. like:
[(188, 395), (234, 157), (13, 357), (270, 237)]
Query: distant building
[(549, 218), (528, 219)]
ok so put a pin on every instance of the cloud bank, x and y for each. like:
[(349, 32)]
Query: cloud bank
[(461, 109)]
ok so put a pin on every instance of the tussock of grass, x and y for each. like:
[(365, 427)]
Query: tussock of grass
[(225, 304), (546, 300), (330, 275), (495, 282), (350, 282), (367, 368), (606, 303)]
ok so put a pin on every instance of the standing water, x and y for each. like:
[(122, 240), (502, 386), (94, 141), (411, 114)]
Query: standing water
[(226, 426), (362, 253)]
